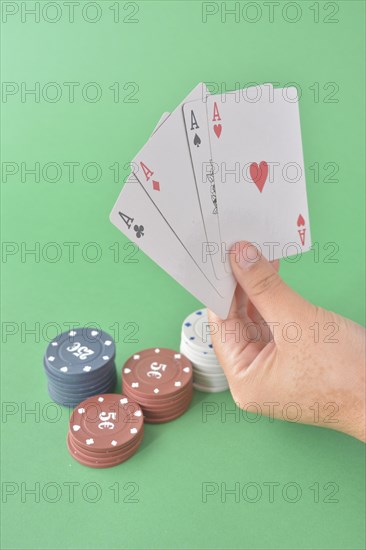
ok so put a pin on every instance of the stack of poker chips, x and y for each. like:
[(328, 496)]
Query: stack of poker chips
[(105, 430), (196, 344), (80, 363), (160, 381)]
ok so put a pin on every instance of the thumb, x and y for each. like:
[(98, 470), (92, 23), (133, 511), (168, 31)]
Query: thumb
[(264, 287)]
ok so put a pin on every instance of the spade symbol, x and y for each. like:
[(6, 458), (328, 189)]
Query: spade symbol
[(197, 140)]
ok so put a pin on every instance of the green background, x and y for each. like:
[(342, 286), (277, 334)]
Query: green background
[(166, 52)]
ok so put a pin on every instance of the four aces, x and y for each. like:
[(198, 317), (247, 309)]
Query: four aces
[(215, 171)]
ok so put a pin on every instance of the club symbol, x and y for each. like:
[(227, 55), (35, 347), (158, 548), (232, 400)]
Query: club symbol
[(139, 229)]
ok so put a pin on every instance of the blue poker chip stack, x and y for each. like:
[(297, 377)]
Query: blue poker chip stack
[(78, 364), (196, 345)]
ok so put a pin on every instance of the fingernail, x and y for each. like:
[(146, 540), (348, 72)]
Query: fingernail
[(249, 255)]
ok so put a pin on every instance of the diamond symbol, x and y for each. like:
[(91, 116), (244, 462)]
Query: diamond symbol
[(156, 185), (114, 443)]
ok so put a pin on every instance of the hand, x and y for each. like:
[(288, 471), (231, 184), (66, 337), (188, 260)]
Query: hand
[(299, 361)]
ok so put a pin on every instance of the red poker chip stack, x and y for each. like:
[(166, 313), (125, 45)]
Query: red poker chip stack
[(160, 381), (105, 430)]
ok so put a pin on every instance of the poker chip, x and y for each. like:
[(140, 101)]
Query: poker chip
[(96, 461), (105, 430), (196, 345), (160, 380), (70, 399), (80, 363)]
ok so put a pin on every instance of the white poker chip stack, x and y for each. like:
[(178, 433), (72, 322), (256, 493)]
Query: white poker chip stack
[(196, 345)]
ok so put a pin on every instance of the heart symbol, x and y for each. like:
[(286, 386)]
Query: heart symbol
[(76, 428), (186, 369), (127, 371), (217, 129), (87, 369), (137, 413), (64, 369), (300, 221), (259, 174)]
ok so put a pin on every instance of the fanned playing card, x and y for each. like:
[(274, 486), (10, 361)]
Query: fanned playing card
[(198, 137), (164, 168), (138, 218), (259, 172), (163, 118), (196, 127)]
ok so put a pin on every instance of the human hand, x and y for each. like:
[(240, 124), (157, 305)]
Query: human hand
[(280, 351)]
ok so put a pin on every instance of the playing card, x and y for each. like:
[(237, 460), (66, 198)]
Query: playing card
[(196, 123), (138, 218), (259, 171), (164, 168), (196, 127), (163, 118)]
